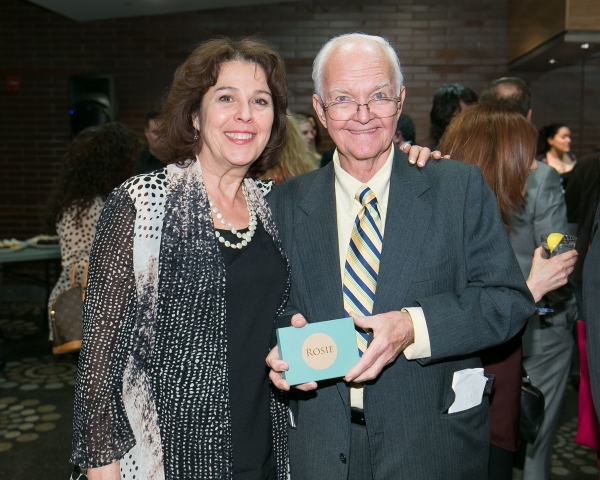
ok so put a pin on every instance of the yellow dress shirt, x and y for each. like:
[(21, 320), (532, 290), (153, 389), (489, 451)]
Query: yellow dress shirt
[(347, 208)]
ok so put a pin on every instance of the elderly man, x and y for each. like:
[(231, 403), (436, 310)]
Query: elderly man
[(421, 261)]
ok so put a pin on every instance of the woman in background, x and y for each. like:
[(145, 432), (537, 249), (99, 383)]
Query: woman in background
[(502, 143), (295, 158), (448, 101), (554, 149), (98, 160), (308, 129)]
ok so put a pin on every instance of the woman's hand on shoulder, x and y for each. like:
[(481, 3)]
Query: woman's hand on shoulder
[(107, 472), (421, 155), (549, 274)]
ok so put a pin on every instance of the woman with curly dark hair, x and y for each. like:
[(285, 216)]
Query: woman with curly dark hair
[(98, 160), (187, 275)]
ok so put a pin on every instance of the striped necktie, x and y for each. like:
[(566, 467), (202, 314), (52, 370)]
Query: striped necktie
[(362, 262)]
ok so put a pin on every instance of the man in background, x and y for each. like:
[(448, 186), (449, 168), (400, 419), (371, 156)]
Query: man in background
[(548, 340), (148, 158), (405, 131)]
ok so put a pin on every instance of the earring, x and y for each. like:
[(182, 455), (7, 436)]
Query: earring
[(195, 134)]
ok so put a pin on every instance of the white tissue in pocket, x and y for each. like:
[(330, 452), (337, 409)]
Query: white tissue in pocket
[(468, 386)]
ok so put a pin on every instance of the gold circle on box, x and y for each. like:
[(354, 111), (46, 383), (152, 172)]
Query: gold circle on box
[(319, 351)]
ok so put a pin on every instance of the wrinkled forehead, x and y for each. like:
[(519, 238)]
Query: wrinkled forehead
[(363, 64), (347, 71)]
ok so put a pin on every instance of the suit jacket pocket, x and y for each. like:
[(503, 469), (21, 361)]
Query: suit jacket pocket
[(449, 399), (469, 411), (465, 434), (426, 273), (431, 280)]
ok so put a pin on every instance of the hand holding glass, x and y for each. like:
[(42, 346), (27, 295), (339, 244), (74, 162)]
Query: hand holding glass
[(566, 244)]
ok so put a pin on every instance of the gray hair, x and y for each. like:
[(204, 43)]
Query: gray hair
[(328, 48)]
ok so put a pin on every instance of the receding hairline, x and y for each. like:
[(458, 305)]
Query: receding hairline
[(505, 90), (351, 42)]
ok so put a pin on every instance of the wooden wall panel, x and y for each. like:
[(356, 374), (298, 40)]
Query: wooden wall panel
[(583, 15), (533, 22)]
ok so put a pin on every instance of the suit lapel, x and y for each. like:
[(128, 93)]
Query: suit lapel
[(317, 244), (408, 214), (318, 247)]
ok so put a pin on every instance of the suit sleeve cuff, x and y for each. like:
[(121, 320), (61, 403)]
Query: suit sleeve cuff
[(420, 348)]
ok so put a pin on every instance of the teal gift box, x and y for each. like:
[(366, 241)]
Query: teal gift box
[(318, 351)]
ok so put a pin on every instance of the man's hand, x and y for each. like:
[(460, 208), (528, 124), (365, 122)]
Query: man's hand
[(392, 333), (277, 365), (549, 274), (420, 155)]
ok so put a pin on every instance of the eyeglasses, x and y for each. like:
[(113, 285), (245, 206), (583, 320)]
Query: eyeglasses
[(380, 107)]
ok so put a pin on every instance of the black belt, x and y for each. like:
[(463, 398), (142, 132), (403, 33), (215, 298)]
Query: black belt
[(357, 416)]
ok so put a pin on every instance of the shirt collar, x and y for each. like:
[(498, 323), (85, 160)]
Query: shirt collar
[(347, 185)]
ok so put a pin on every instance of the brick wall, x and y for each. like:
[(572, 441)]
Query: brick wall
[(557, 98), (437, 41)]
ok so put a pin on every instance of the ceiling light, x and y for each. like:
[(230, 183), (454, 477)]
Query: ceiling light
[(552, 60), (585, 46)]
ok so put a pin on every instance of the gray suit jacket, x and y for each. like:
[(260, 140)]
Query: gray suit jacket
[(445, 249), (545, 212)]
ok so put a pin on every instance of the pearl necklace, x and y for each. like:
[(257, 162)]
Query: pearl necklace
[(245, 237)]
